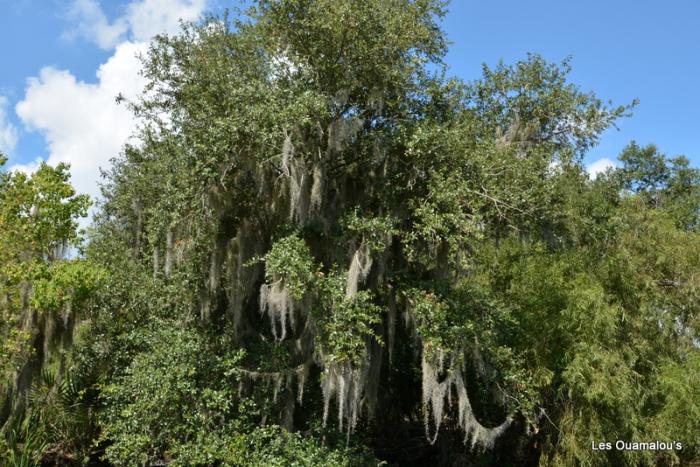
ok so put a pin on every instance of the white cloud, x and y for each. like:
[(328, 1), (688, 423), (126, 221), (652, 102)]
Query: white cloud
[(28, 168), (92, 23), (81, 122), (8, 132), (142, 20), (600, 166), (150, 17)]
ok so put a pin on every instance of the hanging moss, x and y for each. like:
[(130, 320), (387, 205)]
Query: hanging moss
[(438, 383), (276, 302), (316, 180)]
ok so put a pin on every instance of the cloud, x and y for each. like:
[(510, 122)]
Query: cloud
[(92, 24), (150, 17), (8, 133), (81, 122), (28, 168), (600, 166), (142, 20)]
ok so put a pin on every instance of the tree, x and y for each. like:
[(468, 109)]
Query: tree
[(665, 183), (41, 291), (320, 240)]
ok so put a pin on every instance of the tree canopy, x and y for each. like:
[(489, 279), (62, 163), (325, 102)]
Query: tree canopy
[(322, 250)]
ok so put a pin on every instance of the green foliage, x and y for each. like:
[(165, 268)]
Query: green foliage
[(436, 322), (57, 426), (173, 401), (375, 232), (38, 213), (43, 295), (276, 447), (666, 183), (65, 281), (23, 446), (679, 400), (13, 351), (338, 313), (290, 259), (407, 231), (177, 402), (603, 324)]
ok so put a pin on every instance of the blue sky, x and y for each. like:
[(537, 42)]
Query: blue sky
[(54, 106), (621, 50)]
